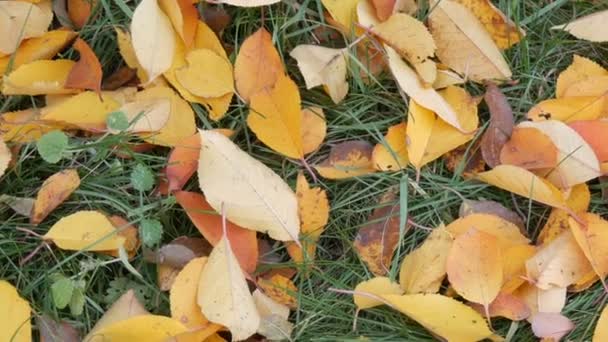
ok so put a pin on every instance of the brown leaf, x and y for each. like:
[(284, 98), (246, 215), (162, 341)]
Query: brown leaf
[(216, 18), (377, 240), (469, 207), (119, 78), (53, 192), (501, 125), (52, 330), (60, 8), (86, 73), (348, 159), (281, 289), (179, 252), (473, 164)]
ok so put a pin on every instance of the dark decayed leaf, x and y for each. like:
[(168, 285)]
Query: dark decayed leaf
[(179, 252), (501, 125), (469, 207)]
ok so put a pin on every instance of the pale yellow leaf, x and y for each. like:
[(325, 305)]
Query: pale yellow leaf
[(423, 270), (148, 115), (223, 294), (39, 78), (323, 66), (253, 195), (207, 74), (21, 20), (591, 27), (153, 38), (581, 69), (15, 315), (274, 323), (149, 328), (464, 45), (447, 78), (85, 230), (5, 157), (376, 287)]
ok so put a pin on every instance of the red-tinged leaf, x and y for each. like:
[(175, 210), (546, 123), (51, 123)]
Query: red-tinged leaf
[(594, 132), (243, 241), (86, 73), (384, 8), (52, 330), (506, 305), (183, 162), (553, 326), (501, 125)]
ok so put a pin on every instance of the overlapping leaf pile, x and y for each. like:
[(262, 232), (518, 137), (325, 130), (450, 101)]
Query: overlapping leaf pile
[(174, 59)]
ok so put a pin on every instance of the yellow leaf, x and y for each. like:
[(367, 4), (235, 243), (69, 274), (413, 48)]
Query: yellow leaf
[(502, 30), (180, 124), (150, 328), (258, 65), (85, 230), (474, 266), (21, 20), (590, 27), (423, 270), (343, 11), (524, 183), (55, 189), (595, 86), (314, 129), (253, 195), (506, 233), (578, 201), (85, 110), (223, 294), (592, 238), (184, 307), (514, 266), (569, 109), (38, 78), (425, 96), (601, 327), (559, 263), (412, 40), (43, 47), (153, 38), (323, 66), (281, 289), (14, 314), (313, 209), (581, 69), (446, 78), (275, 117), (376, 286), (392, 154), (125, 46), (127, 306), (207, 74), (476, 55), (148, 115), (347, 159), (443, 316), (25, 126)]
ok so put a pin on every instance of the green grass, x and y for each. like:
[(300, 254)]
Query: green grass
[(366, 113)]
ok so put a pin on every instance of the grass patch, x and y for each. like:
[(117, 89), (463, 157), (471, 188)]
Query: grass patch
[(366, 113)]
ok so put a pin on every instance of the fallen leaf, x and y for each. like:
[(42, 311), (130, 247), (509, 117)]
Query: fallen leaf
[(127, 51), (601, 327), (549, 325), (474, 266), (33, 49), (258, 65), (443, 316), (347, 159), (223, 294), (165, 276), (383, 8), (281, 289), (588, 27), (514, 266), (21, 205), (183, 161), (184, 307), (209, 223), (476, 55), (179, 252), (423, 269), (146, 115), (152, 38), (184, 16), (129, 232), (79, 11), (5, 157), (54, 191), (25, 126), (569, 109), (465, 160), (84, 230), (314, 129), (506, 233), (594, 133), (470, 207), (15, 315), (146, 327), (249, 3), (594, 86), (578, 201), (376, 286), (39, 78), (558, 263), (427, 97), (581, 69), (507, 306), (86, 73), (274, 324), (502, 30), (123, 76), (313, 210), (217, 18), (530, 149), (592, 238), (127, 306), (344, 12), (538, 300), (22, 20), (577, 162), (377, 240), (501, 124), (85, 110), (207, 74), (524, 183), (323, 66), (52, 330), (446, 77), (276, 119), (391, 154)]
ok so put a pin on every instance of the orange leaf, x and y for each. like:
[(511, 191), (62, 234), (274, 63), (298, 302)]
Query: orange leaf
[(86, 73), (384, 8), (209, 223), (190, 18), (347, 159), (79, 11), (594, 132), (53, 192), (529, 148), (281, 289), (183, 162)]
